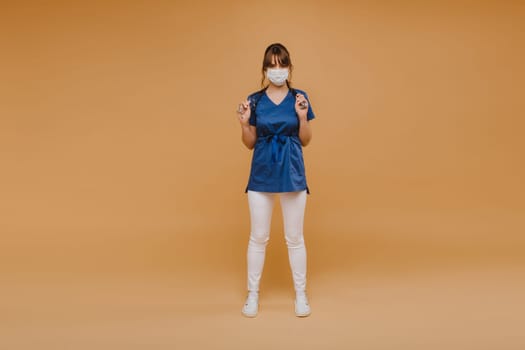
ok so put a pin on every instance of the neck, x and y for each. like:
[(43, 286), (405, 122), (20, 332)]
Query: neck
[(275, 88)]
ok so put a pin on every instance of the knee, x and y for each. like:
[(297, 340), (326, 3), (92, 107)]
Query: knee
[(259, 238), (294, 239)]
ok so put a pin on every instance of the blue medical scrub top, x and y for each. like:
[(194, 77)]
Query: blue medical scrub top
[(277, 161)]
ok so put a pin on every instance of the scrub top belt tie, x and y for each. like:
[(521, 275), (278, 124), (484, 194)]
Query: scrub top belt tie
[(276, 140)]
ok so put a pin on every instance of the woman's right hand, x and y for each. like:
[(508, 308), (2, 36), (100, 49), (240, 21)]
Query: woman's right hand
[(244, 112)]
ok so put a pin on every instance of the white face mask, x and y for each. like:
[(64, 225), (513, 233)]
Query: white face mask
[(277, 76)]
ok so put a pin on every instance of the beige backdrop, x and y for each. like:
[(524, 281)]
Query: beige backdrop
[(123, 217)]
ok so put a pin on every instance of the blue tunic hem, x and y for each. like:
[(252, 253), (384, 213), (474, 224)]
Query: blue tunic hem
[(266, 190)]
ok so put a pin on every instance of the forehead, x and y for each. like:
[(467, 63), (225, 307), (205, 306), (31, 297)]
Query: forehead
[(276, 60), (280, 59)]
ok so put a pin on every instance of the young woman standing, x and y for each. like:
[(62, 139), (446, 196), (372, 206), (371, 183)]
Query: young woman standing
[(275, 124)]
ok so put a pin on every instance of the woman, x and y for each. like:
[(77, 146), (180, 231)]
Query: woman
[(275, 124)]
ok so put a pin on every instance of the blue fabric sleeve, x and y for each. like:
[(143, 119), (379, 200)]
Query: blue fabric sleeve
[(310, 114), (253, 119)]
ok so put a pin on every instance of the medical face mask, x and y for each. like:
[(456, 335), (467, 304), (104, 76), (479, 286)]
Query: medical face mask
[(277, 76)]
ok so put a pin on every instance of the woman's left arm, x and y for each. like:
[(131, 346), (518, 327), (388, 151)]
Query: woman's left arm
[(305, 131)]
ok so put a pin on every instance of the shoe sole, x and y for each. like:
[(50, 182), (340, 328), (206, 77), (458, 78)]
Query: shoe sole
[(249, 315)]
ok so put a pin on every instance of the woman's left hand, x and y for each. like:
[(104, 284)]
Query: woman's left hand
[(301, 106)]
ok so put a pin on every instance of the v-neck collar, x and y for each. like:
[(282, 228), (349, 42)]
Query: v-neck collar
[(280, 103)]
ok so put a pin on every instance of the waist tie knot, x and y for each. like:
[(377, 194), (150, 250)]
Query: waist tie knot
[(276, 140)]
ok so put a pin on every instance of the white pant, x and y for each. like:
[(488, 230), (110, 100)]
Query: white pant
[(261, 206)]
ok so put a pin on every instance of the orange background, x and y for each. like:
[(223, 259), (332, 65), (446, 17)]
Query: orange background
[(123, 217)]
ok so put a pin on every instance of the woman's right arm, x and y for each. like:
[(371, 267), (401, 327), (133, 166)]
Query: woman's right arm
[(249, 134)]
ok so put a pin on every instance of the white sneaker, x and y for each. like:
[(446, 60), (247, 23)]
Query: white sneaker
[(302, 307), (251, 306)]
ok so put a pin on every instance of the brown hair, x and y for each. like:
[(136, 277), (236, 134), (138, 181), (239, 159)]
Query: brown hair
[(282, 56)]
